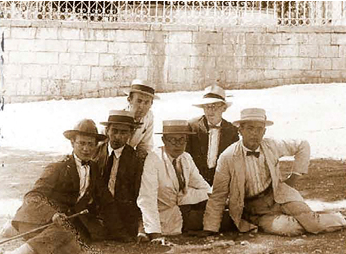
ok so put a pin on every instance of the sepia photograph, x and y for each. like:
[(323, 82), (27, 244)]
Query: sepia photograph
[(172, 127)]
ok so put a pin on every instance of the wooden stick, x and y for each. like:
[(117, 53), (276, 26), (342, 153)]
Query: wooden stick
[(42, 227)]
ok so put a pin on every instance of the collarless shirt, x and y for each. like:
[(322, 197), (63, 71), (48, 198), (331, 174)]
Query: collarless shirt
[(213, 145), (84, 176), (115, 166), (257, 175)]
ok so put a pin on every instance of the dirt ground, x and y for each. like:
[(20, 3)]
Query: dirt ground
[(326, 182)]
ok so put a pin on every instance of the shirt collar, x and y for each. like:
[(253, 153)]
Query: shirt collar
[(218, 124), (247, 149), (117, 152), (77, 160), (171, 158)]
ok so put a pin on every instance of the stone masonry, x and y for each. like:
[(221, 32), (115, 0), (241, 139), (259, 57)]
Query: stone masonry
[(53, 60)]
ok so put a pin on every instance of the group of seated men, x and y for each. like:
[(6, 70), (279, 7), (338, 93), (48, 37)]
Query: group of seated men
[(133, 190)]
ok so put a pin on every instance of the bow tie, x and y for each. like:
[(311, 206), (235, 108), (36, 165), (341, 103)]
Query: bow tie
[(86, 163), (256, 154)]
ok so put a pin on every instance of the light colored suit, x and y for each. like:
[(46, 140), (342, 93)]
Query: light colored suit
[(230, 179), (142, 138), (159, 196)]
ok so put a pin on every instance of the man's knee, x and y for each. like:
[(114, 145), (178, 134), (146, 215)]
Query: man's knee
[(280, 225)]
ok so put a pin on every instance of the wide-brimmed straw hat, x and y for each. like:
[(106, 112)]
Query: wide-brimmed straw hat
[(139, 86), (253, 114), (175, 127), (121, 117), (211, 95), (86, 127)]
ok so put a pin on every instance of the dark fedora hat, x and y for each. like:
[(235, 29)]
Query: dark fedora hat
[(86, 127), (121, 117)]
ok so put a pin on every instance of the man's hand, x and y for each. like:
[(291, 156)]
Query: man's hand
[(59, 219)]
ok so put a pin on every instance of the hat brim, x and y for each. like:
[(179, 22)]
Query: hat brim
[(136, 125), (70, 134), (179, 132), (206, 101), (154, 96), (238, 122)]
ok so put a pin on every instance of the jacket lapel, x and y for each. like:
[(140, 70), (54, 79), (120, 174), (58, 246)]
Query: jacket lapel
[(72, 171), (224, 139), (203, 135), (237, 185), (170, 171), (270, 160)]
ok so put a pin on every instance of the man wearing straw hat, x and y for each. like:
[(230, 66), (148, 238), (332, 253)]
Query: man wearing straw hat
[(122, 169), (140, 98), (213, 133), (259, 197), (64, 188), (172, 193)]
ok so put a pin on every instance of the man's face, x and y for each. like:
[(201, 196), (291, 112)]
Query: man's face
[(252, 133), (84, 147), (174, 144), (140, 104), (213, 112), (118, 134)]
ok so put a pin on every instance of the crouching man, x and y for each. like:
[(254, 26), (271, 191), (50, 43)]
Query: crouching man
[(173, 194), (65, 188)]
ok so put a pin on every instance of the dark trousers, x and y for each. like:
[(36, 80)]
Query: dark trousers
[(193, 218)]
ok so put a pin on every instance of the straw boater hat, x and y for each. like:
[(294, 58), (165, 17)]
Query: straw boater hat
[(139, 86), (211, 95), (253, 114), (85, 127), (121, 117), (176, 127)]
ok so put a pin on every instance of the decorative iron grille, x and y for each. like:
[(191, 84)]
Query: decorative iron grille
[(283, 13)]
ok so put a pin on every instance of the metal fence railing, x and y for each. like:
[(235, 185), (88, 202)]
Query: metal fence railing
[(282, 13)]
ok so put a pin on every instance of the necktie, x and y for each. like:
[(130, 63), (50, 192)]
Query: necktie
[(256, 154), (179, 173)]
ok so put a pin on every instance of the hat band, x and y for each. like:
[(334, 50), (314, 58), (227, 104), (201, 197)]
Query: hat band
[(176, 129), (121, 119), (254, 118), (215, 96), (143, 88)]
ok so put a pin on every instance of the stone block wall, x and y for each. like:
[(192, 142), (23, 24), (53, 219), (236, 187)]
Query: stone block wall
[(46, 60)]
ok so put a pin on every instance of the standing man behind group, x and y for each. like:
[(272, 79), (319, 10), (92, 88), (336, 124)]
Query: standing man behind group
[(140, 100), (213, 133)]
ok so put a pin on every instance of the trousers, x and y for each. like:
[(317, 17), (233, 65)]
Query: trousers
[(290, 219)]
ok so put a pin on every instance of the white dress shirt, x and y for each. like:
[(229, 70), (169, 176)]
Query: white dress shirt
[(84, 176), (114, 170), (257, 174), (213, 145)]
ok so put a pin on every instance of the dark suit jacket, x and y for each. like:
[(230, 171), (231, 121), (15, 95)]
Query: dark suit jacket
[(126, 186), (197, 144), (57, 190)]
